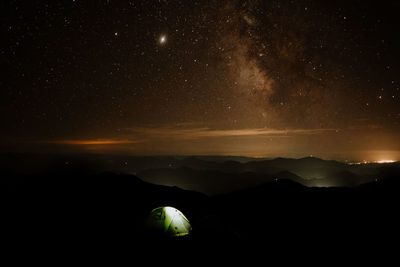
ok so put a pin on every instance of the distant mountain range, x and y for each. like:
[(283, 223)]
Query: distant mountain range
[(225, 176), (208, 174)]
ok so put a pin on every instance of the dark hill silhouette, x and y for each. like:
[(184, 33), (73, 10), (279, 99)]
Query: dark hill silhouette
[(313, 171), (57, 211), (288, 213), (212, 182), (107, 212)]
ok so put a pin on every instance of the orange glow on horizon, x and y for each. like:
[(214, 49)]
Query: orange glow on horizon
[(92, 142)]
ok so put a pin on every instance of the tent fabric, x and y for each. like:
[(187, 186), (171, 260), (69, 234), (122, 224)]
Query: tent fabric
[(170, 221)]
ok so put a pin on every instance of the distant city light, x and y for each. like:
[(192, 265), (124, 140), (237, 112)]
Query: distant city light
[(385, 161), (382, 161)]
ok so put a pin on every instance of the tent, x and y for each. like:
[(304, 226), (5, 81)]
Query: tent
[(170, 221)]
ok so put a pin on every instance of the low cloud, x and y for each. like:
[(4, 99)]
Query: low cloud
[(199, 133), (191, 140), (91, 142), (150, 134)]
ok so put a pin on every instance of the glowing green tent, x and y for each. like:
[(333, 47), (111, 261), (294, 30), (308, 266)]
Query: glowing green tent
[(170, 221)]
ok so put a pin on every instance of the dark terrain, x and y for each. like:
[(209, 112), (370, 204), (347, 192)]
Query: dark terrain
[(209, 175), (75, 211)]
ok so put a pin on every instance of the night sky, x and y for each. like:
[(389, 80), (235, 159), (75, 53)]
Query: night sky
[(251, 78)]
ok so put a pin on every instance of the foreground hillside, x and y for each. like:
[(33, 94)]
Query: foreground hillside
[(55, 212)]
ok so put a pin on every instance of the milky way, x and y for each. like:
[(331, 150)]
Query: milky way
[(256, 78)]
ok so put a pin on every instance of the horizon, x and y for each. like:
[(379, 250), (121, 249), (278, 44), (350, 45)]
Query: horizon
[(201, 156)]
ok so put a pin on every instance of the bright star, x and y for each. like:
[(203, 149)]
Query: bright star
[(163, 39)]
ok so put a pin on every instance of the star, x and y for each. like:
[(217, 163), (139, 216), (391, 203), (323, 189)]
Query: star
[(163, 39)]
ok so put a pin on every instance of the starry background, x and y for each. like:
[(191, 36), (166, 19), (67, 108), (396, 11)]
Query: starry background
[(252, 78)]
